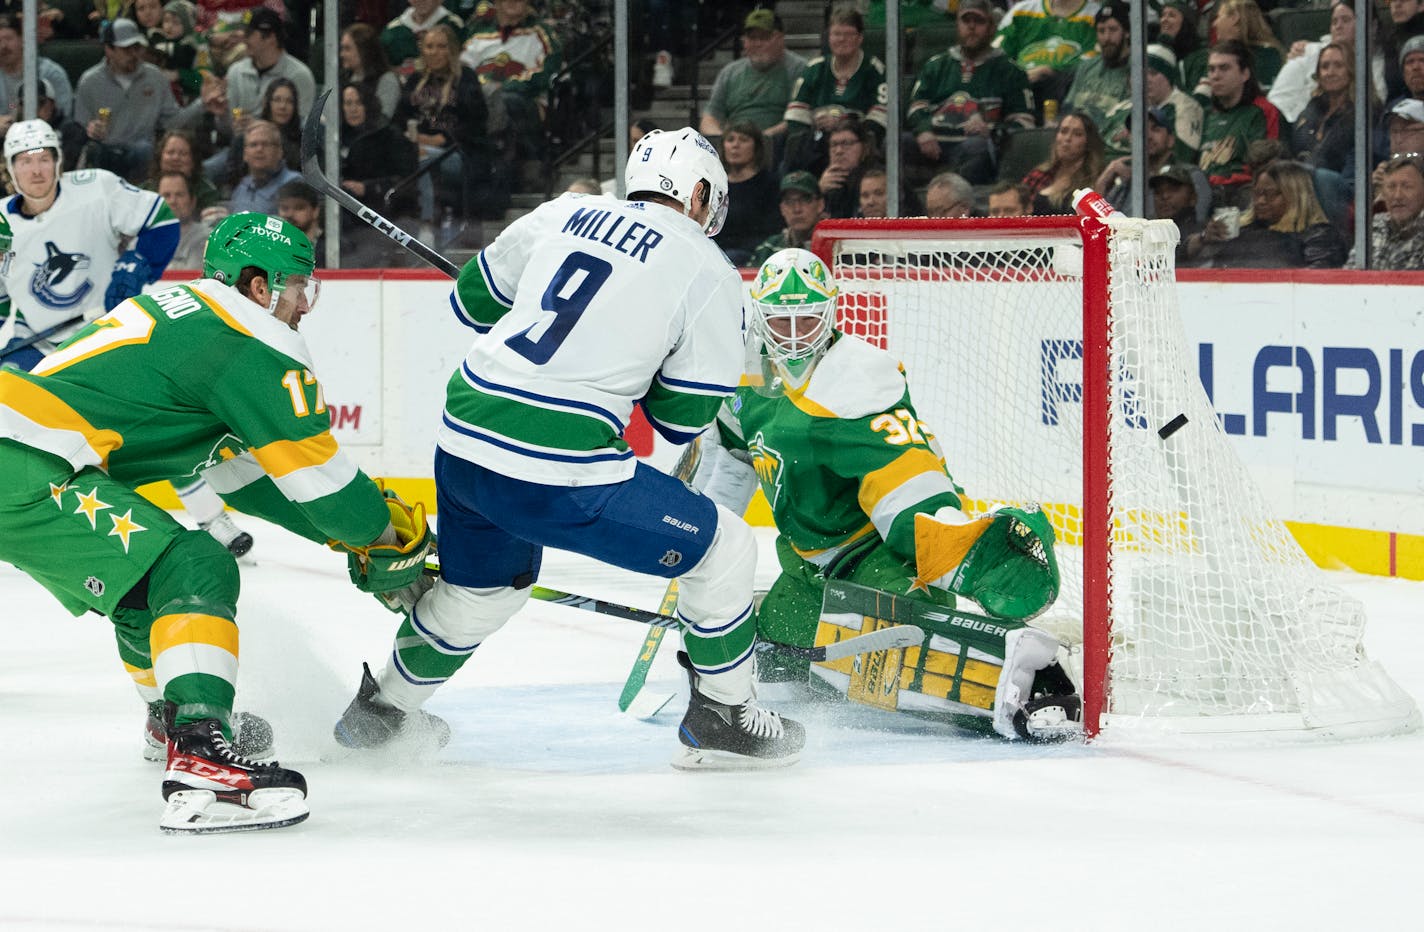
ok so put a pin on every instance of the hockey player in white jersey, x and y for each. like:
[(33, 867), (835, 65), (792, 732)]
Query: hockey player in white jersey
[(69, 267), (587, 307)]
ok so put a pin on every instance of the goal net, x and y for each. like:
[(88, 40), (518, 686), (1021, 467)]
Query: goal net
[(1048, 358)]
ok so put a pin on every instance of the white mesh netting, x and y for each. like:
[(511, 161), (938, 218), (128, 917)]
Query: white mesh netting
[(1218, 622)]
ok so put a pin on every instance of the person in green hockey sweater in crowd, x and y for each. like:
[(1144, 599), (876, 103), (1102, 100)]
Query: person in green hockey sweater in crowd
[(1048, 39), (823, 422), (207, 377)]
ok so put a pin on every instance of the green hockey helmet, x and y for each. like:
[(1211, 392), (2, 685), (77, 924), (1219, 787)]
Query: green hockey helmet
[(256, 240), (7, 243), (794, 307)]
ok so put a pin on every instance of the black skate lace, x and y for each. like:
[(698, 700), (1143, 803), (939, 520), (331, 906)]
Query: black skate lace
[(229, 753), (759, 722)]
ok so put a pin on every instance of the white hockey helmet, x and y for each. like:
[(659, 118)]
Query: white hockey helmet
[(671, 164), (794, 288), (26, 136)]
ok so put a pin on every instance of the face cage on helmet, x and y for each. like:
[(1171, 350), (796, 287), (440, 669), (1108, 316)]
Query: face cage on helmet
[(819, 320)]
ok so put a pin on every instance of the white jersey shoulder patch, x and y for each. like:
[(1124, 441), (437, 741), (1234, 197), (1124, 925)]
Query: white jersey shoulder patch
[(855, 379)]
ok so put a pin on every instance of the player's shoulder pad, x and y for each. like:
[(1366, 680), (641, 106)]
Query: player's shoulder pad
[(855, 379)]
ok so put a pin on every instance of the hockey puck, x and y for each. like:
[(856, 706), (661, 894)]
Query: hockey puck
[(1172, 426)]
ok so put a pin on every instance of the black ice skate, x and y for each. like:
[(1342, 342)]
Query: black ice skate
[(716, 736), (251, 735), (369, 723), (224, 531), (211, 788)]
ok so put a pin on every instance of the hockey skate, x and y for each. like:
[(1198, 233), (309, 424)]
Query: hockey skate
[(369, 723), (210, 788), (251, 735), (234, 538), (746, 736)]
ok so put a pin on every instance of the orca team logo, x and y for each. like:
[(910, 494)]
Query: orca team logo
[(95, 585), (61, 281)]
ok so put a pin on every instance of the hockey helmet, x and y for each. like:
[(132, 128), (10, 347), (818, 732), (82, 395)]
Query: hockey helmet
[(7, 242), (26, 136), (671, 164), (256, 240), (795, 289)]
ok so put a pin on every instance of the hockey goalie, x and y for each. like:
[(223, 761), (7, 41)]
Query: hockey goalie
[(868, 517)]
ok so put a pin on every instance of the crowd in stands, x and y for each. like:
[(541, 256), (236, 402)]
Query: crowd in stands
[(444, 107)]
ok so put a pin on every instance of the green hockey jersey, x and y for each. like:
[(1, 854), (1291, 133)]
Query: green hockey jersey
[(951, 89), (197, 379), (818, 93), (843, 458), (1033, 36)]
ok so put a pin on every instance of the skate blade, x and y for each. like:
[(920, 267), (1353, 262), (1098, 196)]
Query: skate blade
[(197, 812), (707, 759)]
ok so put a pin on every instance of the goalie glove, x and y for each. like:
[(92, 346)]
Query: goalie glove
[(1003, 560), (392, 568)]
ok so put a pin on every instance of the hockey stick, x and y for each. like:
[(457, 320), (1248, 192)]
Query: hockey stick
[(686, 467), (883, 639), (44, 334), (311, 170)]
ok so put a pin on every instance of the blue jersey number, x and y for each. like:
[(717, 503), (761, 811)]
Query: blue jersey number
[(586, 274)]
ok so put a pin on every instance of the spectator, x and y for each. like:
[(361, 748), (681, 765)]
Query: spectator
[(1048, 38), (757, 86), (668, 23), (266, 172), (949, 195), (373, 155), (852, 150), (443, 106), (193, 230), (1242, 21), (267, 60), (227, 45), (802, 207), (1411, 62), (148, 16), (1406, 135), (1177, 30), (1007, 199), (1163, 92), (363, 61), (1101, 80), (752, 189), (1239, 115), (515, 56), (299, 204), (1115, 183), (401, 37), (1175, 198), (874, 194), (1295, 84), (1397, 234), (1285, 227), (122, 103), (963, 98), (177, 152), (1406, 20), (179, 51), (12, 74), (1075, 162), (209, 121), (72, 137), (279, 107), (1324, 136), (848, 83)]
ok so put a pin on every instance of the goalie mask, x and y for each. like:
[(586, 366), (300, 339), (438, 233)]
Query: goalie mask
[(794, 310), (672, 164), (278, 248)]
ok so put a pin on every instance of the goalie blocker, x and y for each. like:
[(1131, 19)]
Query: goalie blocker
[(968, 664)]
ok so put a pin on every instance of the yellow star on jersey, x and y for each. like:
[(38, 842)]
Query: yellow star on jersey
[(919, 585), (124, 525), (89, 505), (56, 492)]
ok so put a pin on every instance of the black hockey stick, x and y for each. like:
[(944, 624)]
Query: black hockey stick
[(44, 334), (311, 170), (882, 639)]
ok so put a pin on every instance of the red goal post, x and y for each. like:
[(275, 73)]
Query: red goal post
[(1047, 355)]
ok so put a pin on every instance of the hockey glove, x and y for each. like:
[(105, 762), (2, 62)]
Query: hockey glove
[(393, 572), (131, 273), (1007, 563)]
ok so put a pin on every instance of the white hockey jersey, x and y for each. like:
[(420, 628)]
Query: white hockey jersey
[(589, 306), (65, 256)]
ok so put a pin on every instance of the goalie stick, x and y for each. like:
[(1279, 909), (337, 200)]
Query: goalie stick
[(311, 170), (883, 639)]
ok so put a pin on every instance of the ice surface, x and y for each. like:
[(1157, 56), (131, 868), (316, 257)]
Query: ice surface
[(549, 809)]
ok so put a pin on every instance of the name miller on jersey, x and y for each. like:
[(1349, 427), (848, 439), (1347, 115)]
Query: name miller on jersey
[(588, 224)]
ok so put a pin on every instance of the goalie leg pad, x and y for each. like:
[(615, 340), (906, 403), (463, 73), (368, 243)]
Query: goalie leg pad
[(441, 633)]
